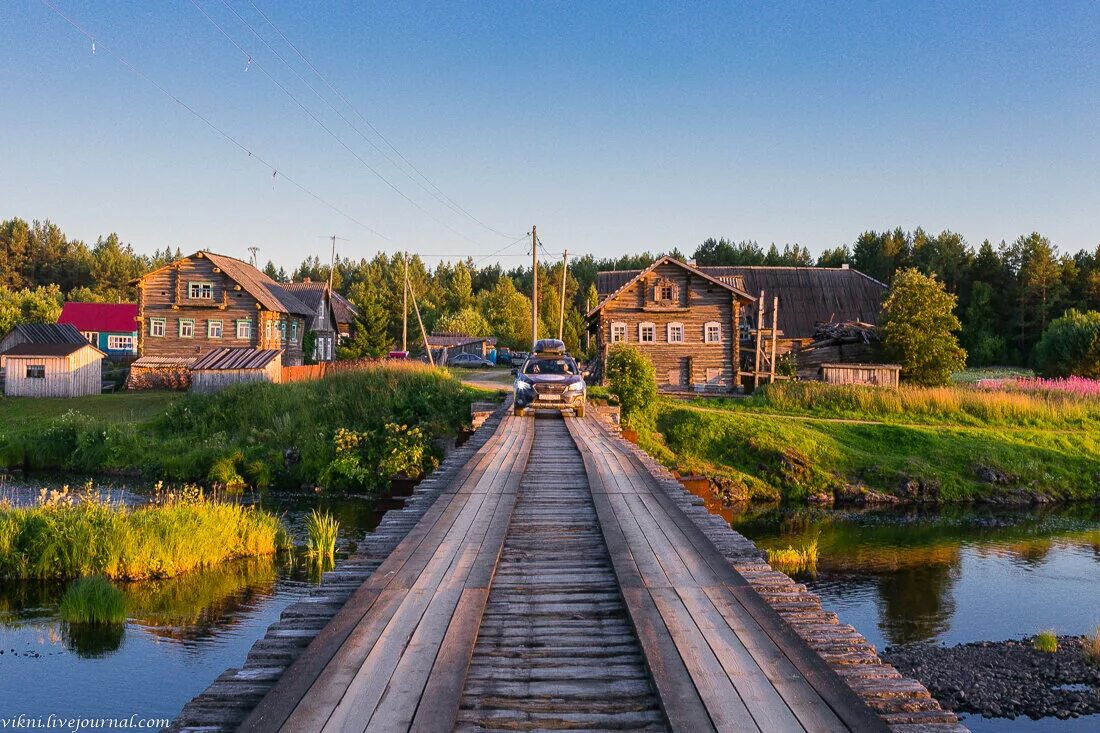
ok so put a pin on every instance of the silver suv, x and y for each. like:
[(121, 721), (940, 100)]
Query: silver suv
[(550, 379)]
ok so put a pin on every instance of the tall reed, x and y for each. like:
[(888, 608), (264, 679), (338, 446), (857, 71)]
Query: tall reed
[(321, 531)]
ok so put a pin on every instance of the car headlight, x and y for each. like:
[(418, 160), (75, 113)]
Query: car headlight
[(575, 387), (522, 386)]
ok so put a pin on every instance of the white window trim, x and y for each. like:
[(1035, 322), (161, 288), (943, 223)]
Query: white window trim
[(644, 325), (210, 329), (91, 336), (247, 323), (706, 332), (668, 332), (197, 286), (120, 343), (181, 333), (153, 322), (620, 326)]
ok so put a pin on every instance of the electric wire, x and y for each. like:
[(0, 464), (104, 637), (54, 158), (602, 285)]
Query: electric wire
[(275, 172)]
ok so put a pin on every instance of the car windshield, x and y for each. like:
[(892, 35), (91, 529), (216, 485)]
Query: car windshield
[(550, 366)]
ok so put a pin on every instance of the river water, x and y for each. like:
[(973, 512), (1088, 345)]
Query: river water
[(181, 633), (948, 575)]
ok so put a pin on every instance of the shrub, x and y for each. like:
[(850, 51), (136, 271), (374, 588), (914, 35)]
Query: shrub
[(93, 600), (632, 378), (405, 452), (918, 329), (1045, 641), (1070, 346)]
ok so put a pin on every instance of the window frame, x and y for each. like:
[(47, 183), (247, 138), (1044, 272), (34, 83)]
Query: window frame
[(294, 332), (619, 327), (163, 323), (91, 336), (210, 329), (706, 332), (201, 286), (680, 330), (189, 322), (113, 341), (647, 325), (39, 371), (247, 323)]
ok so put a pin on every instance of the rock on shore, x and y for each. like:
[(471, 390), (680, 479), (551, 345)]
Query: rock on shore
[(1005, 679)]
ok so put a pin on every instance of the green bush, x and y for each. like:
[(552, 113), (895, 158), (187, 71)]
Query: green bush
[(1070, 346), (632, 378), (919, 326)]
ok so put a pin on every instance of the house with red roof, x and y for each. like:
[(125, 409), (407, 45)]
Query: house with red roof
[(110, 327)]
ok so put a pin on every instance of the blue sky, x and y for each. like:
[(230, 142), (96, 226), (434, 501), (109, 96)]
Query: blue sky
[(615, 127)]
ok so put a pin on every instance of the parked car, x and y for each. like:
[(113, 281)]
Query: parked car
[(550, 379), (518, 357), (472, 361), (397, 355)]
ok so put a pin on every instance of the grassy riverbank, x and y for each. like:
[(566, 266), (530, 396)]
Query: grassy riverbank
[(808, 440), (67, 536), (257, 434)]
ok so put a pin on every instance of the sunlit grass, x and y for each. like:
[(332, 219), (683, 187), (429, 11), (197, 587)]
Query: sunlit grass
[(1091, 646), (795, 560), (321, 532), (1045, 641)]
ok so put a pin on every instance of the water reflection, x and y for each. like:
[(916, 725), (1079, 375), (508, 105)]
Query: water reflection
[(946, 574)]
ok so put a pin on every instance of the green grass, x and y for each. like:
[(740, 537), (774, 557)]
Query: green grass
[(93, 600), (792, 560), (951, 406), (256, 434), (321, 532), (1091, 646), (770, 456), (1045, 641), (71, 537)]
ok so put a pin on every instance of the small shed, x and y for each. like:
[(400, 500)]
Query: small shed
[(225, 367), (873, 375), (445, 346), (53, 370), (40, 333)]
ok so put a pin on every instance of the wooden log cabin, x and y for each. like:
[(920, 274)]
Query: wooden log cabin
[(631, 299), (209, 301), (683, 319)]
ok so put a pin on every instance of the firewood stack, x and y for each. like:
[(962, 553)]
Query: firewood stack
[(847, 342)]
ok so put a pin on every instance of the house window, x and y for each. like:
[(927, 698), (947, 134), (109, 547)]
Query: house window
[(676, 333), (666, 291), (712, 332), (91, 336), (244, 329), (200, 291), (120, 343), (187, 328), (36, 371), (269, 330), (618, 332), (214, 329), (282, 331), (647, 333), (156, 326), (294, 332)]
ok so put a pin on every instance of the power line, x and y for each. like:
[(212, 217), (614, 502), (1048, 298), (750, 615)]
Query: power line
[(205, 120), (436, 194), (253, 63), (368, 123)]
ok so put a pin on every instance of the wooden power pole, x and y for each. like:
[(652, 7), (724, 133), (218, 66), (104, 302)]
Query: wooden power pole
[(405, 306), (534, 287), (775, 331), (564, 275), (759, 336), (423, 332)]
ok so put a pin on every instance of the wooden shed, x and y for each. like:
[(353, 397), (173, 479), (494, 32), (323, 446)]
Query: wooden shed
[(225, 367), (873, 375), (53, 370)]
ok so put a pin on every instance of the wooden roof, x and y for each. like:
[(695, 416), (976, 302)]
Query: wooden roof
[(610, 284), (49, 333), (807, 295), (53, 350)]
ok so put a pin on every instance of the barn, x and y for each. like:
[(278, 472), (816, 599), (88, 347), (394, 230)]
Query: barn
[(225, 367), (53, 369)]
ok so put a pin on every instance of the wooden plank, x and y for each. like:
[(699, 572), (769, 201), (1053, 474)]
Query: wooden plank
[(721, 698)]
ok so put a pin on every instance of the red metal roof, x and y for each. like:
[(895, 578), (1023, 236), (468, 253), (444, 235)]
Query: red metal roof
[(102, 317)]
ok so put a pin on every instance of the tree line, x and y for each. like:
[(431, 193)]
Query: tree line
[(1006, 294)]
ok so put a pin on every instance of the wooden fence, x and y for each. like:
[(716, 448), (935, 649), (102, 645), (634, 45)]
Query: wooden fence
[(310, 372)]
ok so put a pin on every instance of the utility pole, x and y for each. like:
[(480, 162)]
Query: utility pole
[(423, 332), (534, 287), (564, 275), (405, 306)]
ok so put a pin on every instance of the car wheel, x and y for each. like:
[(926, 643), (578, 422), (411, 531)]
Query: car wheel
[(579, 410)]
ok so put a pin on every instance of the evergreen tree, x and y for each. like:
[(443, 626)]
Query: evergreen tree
[(370, 332)]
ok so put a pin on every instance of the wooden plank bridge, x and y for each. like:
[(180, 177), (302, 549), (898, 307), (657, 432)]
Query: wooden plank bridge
[(560, 581)]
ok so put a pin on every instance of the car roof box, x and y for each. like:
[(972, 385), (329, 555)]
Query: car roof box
[(549, 346)]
